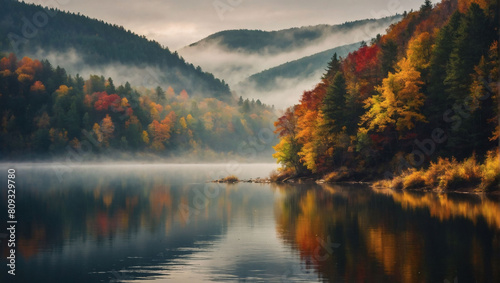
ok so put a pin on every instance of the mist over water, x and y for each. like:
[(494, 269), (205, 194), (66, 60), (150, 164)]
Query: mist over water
[(163, 222)]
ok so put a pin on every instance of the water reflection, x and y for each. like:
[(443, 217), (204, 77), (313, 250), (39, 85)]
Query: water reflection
[(383, 235), (163, 222)]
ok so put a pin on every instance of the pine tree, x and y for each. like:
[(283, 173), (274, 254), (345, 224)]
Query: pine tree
[(334, 104), (333, 68), (474, 37), (389, 55)]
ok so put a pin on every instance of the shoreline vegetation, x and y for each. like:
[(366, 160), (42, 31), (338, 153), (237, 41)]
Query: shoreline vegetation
[(444, 175)]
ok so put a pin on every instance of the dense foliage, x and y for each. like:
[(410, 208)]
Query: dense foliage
[(425, 90), (27, 28), (43, 110)]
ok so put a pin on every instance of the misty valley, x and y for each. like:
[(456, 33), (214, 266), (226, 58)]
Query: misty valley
[(259, 142)]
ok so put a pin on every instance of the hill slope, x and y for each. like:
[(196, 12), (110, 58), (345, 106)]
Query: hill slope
[(301, 68), (82, 43), (273, 42), (237, 54)]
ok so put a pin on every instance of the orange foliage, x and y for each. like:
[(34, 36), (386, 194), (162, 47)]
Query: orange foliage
[(27, 68), (37, 87), (463, 5)]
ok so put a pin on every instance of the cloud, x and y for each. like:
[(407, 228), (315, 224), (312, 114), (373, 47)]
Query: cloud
[(286, 92), (235, 66), (197, 19), (74, 64)]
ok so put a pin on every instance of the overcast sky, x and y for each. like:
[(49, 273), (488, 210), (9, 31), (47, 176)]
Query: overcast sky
[(176, 23)]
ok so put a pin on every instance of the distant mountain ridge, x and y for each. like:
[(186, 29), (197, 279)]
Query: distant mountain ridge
[(300, 68), (98, 44), (254, 41)]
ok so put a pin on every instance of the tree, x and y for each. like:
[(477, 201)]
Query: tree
[(334, 103), (388, 56), (288, 148), (398, 102), (333, 67), (160, 95), (474, 36), (437, 101), (107, 128)]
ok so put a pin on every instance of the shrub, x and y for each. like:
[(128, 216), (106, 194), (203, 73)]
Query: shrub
[(230, 179), (414, 180), (490, 171)]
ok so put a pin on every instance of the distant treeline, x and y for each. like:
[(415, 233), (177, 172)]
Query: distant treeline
[(45, 111)]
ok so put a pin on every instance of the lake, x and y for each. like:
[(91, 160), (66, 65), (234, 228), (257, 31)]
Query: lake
[(164, 223)]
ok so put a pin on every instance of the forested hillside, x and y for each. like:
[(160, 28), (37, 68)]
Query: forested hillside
[(28, 29), (425, 95), (297, 69), (272, 42), (46, 112)]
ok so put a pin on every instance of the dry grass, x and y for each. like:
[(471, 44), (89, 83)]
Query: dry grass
[(336, 176), (280, 175), (414, 179), (230, 179), (448, 174), (490, 178)]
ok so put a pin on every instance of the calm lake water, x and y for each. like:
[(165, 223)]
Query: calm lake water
[(163, 223)]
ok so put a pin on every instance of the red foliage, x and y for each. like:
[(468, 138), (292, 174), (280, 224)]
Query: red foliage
[(8, 63), (364, 59), (285, 125), (104, 101), (312, 99)]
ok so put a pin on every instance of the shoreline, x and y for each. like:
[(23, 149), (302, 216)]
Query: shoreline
[(376, 184)]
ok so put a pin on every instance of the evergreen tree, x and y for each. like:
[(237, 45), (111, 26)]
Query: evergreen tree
[(389, 55), (334, 104), (474, 37), (333, 68)]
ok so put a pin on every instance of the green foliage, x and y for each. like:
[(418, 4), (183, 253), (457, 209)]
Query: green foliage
[(334, 104)]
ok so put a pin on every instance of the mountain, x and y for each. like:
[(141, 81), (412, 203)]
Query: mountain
[(235, 55), (286, 40), (84, 45), (297, 69)]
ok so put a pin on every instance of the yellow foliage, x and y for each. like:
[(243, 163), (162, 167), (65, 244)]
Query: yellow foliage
[(124, 102), (98, 133), (398, 102), (145, 137), (182, 122), (490, 170), (62, 90), (419, 51)]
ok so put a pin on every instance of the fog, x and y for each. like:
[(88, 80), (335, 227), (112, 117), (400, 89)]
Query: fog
[(235, 66), (74, 63), (286, 92)]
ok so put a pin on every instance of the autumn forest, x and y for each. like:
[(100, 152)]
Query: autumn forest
[(414, 102), (424, 95)]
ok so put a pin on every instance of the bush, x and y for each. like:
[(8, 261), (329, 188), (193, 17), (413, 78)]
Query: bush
[(230, 179), (281, 175), (490, 171), (414, 180)]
